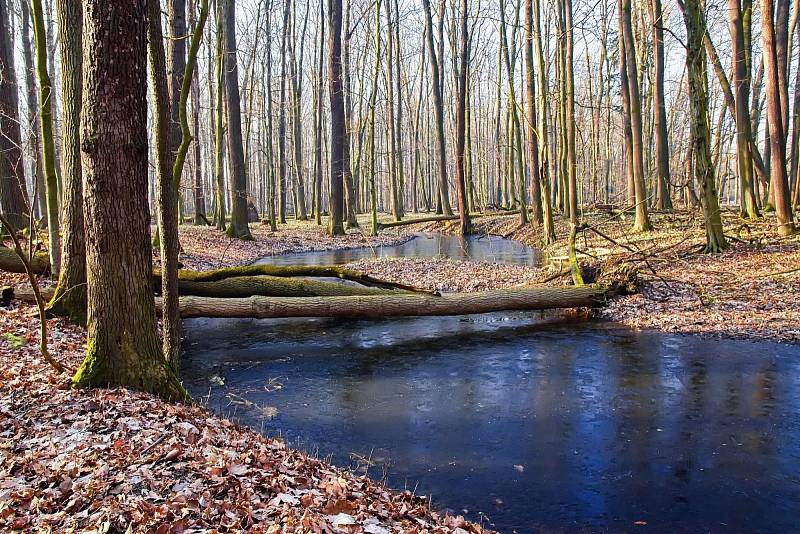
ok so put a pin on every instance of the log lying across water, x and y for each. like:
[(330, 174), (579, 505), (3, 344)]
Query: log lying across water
[(396, 305)]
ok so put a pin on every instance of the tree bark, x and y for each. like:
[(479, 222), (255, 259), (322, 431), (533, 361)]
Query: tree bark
[(48, 142), (642, 221), (461, 188), (663, 199), (123, 347), (70, 296)]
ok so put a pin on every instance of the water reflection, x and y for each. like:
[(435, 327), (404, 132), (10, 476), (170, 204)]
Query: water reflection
[(473, 248), (535, 426)]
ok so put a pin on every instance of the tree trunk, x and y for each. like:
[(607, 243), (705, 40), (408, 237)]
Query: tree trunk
[(461, 189), (774, 75), (701, 136), (13, 189), (438, 104), (123, 347), (642, 221), (239, 227), (48, 142), (338, 134), (663, 199), (70, 296), (167, 203), (744, 135)]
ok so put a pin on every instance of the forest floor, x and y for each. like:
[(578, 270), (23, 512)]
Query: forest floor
[(751, 291), (120, 461)]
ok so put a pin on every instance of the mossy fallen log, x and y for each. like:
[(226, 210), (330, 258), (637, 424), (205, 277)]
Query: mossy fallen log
[(396, 305), (289, 271), (274, 286)]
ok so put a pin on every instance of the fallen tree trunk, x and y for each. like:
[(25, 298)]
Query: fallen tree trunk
[(392, 305), (10, 262), (370, 307), (442, 218)]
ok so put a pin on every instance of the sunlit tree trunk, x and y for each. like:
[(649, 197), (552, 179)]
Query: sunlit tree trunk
[(775, 107)]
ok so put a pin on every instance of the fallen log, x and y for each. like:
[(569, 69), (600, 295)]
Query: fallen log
[(441, 218), (371, 307), (10, 262)]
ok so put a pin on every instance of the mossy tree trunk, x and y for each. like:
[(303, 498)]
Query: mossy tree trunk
[(461, 188), (167, 204), (13, 190), (48, 141), (701, 136), (123, 346), (70, 297)]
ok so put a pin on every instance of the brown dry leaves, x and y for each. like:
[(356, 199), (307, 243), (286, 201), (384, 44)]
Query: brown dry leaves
[(450, 275)]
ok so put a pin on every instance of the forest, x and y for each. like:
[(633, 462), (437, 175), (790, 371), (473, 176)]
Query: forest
[(398, 265)]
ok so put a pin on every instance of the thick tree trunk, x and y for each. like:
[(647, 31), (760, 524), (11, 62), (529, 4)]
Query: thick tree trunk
[(13, 189), (123, 348), (70, 296), (372, 307)]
